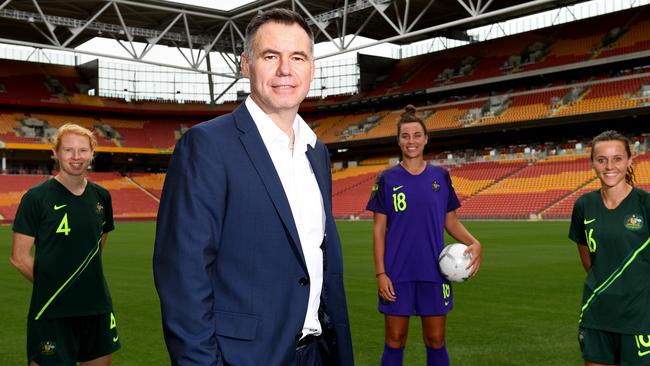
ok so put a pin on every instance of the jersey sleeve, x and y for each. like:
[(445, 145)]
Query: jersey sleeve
[(452, 201), (28, 215), (109, 225), (376, 203), (577, 228)]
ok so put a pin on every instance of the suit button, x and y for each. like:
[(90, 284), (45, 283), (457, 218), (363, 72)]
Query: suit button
[(303, 281)]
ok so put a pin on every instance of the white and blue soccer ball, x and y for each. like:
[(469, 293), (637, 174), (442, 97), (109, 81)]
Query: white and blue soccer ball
[(453, 263)]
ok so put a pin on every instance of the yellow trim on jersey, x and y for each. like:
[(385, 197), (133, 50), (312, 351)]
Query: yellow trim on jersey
[(74, 275), (613, 277)]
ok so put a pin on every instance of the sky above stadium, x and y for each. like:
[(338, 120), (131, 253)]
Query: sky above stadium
[(215, 4)]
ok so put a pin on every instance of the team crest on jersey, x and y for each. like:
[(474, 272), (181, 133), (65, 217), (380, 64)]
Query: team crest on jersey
[(375, 187), (47, 348), (99, 208), (634, 222), (435, 186)]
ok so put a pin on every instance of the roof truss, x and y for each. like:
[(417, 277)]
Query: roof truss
[(139, 26)]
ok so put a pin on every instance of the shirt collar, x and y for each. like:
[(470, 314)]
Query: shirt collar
[(270, 131)]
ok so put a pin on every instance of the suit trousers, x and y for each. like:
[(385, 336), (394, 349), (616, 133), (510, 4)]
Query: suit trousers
[(314, 352)]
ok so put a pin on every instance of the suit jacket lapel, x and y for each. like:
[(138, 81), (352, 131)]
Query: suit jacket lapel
[(316, 162), (259, 156)]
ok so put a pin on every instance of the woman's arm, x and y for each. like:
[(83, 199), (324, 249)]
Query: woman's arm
[(585, 257), (384, 284), (21, 255), (458, 231)]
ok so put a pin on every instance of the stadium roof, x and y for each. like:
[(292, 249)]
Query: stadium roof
[(138, 26)]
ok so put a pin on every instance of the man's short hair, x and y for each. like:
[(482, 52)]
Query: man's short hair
[(277, 15)]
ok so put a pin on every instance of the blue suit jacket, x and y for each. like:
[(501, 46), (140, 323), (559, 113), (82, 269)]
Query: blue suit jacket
[(228, 263)]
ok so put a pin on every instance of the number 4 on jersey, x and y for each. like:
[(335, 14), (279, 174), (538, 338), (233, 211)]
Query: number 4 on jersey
[(63, 226)]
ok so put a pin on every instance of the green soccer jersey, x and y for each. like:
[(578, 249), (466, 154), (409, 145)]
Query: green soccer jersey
[(616, 294), (68, 274)]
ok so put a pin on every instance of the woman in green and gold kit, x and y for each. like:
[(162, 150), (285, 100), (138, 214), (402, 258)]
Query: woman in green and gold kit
[(613, 236), (67, 220)]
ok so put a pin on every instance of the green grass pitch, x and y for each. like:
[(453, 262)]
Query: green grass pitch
[(521, 309)]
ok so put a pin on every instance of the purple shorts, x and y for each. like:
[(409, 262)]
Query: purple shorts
[(419, 298)]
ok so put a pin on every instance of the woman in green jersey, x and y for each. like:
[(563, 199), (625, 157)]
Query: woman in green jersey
[(613, 236), (67, 220)]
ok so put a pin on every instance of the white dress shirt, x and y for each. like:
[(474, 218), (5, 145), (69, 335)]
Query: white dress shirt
[(304, 196)]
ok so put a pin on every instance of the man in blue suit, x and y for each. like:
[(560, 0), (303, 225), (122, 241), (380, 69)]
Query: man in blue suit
[(247, 259)]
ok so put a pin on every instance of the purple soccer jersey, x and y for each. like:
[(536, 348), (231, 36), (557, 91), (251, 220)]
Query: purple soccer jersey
[(415, 207)]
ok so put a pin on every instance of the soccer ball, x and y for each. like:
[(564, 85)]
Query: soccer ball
[(453, 263)]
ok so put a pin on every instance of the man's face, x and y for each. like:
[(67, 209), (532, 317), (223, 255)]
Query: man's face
[(280, 69)]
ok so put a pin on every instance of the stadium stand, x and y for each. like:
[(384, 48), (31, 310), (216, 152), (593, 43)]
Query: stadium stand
[(605, 94), (563, 208), (13, 188), (23, 81), (351, 189), (529, 190), (130, 201), (469, 179), (111, 132), (152, 182), (513, 189), (504, 182), (565, 44), (535, 50)]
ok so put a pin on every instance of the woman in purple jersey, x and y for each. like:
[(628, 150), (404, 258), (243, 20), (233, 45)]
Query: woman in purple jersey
[(413, 204)]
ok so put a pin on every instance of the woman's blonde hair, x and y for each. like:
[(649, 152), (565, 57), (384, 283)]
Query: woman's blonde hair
[(74, 129)]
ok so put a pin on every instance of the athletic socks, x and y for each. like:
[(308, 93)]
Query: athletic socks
[(436, 356), (395, 356), (392, 356)]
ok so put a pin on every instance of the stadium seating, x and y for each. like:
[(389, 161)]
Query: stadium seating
[(566, 44), (529, 191), (501, 188), (153, 183), (399, 74), (376, 160), (384, 127), (641, 165), (604, 94), (13, 188), (131, 133), (468, 179), (563, 208), (634, 39), (130, 201), (23, 80), (335, 130), (351, 189), (512, 189)]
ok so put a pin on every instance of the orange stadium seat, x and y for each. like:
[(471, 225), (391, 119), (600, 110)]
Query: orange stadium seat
[(351, 189), (530, 190), (152, 182), (13, 187), (129, 199), (468, 179)]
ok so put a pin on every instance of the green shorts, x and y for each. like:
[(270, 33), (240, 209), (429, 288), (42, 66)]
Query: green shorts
[(609, 348), (66, 341)]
